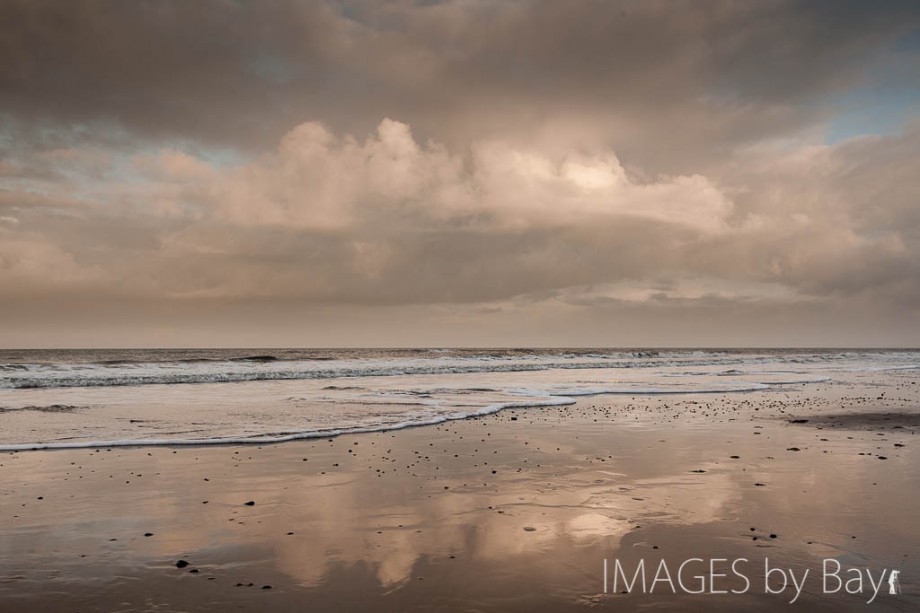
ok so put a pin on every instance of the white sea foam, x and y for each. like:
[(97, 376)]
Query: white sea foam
[(114, 372), (271, 439)]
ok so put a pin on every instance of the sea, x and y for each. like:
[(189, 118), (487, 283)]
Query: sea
[(72, 398)]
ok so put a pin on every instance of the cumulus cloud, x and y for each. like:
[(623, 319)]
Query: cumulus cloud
[(321, 182), (385, 219)]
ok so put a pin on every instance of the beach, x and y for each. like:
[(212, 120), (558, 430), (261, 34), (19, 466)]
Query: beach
[(457, 306), (517, 510)]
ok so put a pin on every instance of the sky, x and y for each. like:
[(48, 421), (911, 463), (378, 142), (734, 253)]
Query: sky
[(459, 173)]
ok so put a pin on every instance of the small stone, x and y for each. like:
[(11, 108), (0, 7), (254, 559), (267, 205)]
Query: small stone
[(181, 564)]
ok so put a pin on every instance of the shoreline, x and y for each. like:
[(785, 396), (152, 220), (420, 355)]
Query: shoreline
[(305, 436)]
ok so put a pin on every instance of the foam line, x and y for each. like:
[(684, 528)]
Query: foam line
[(309, 434)]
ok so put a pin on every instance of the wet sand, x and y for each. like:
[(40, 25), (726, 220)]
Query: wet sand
[(515, 511)]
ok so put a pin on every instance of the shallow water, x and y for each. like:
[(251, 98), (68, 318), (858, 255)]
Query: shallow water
[(86, 398)]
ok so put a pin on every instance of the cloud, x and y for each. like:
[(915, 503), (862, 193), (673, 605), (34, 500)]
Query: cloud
[(320, 182), (28, 262), (635, 75), (387, 220), (544, 161)]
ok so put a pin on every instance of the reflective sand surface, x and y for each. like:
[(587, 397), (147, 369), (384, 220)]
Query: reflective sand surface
[(513, 511)]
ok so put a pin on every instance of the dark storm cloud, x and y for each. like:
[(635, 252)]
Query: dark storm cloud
[(242, 74)]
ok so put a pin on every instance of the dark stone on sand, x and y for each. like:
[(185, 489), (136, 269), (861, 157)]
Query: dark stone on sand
[(698, 470), (772, 536), (148, 534), (881, 457), (897, 420), (194, 571), (181, 564), (793, 449), (250, 503), (529, 529), (798, 421), (266, 587)]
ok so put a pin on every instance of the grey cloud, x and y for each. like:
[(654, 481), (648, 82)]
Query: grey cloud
[(633, 74)]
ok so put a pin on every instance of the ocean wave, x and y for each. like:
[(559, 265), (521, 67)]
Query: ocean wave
[(51, 408), (164, 375), (267, 367)]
